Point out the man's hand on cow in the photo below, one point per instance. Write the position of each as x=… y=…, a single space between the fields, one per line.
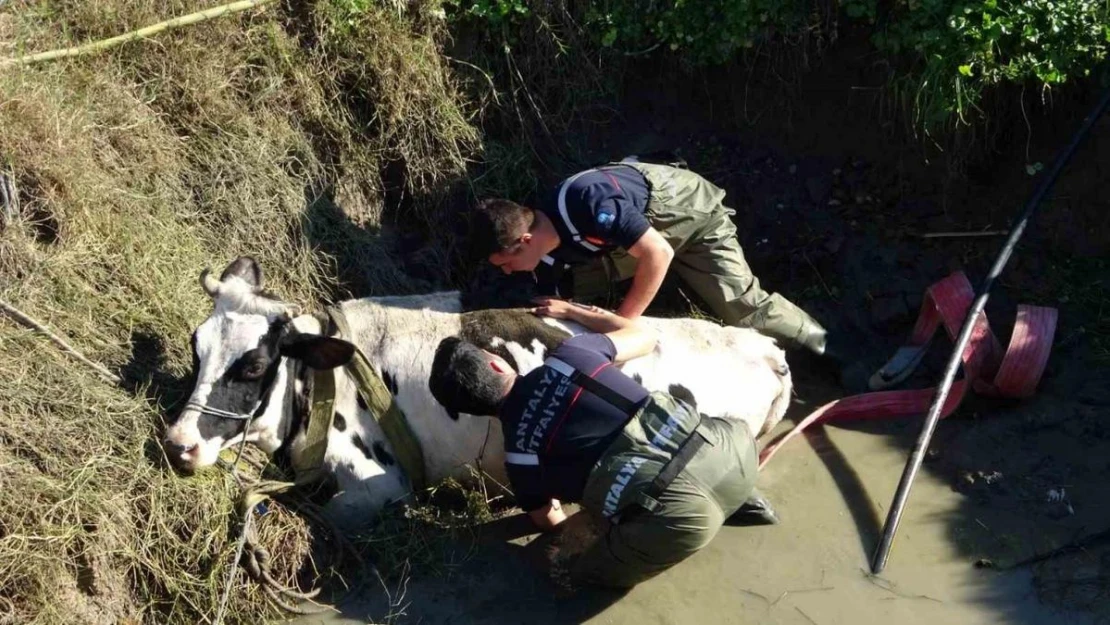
x=629 y=338
x=559 y=308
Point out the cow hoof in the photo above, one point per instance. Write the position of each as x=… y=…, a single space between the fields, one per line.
x=755 y=511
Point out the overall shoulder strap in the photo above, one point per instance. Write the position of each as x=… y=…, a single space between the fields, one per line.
x=615 y=399
x=384 y=408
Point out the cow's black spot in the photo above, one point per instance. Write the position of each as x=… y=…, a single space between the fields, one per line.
x=637 y=378
x=362 y=402
x=196 y=359
x=301 y=405
x=383 y=456
x=257 y=360
x=357 y=440
x=210 y=427
x=390 y=382
x=454 y=414
x=679 y=391
x=245 y=387
x=518 y=326
x=298 y=421
x=340 y=422
x=241 y=393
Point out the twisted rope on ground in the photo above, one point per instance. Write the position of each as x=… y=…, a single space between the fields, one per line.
x=256 y=558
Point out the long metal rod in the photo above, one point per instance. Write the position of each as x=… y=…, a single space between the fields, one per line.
x=894 y=515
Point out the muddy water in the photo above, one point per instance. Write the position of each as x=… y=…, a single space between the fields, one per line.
x=830 y=490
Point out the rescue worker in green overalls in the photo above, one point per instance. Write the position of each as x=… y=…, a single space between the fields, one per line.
x=661 y=477
x=636 y=220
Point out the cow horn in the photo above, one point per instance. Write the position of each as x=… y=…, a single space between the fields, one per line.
x=210 y=284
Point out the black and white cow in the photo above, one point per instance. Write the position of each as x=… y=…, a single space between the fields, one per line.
x=254 y=353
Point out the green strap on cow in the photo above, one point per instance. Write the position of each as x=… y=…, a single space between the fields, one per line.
x=390 y=417
x=320 y=417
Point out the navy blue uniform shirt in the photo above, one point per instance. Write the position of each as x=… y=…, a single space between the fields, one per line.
x=568 y=427
x=606 y=207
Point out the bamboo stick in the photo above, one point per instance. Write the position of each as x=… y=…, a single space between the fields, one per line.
x=97 y=46
x=28 y=322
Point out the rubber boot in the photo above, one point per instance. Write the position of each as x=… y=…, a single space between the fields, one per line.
x=756 y=510
x=836 y=352
x=841 y=355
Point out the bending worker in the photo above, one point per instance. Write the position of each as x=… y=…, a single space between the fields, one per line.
x=646 y=218
x=662 y=478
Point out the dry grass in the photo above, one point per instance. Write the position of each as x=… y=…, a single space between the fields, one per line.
x=540 y=86
x=276 y=133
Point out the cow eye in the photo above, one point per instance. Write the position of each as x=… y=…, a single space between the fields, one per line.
x=253 y=370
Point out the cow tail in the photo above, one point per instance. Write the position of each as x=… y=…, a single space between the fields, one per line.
x=777 y=361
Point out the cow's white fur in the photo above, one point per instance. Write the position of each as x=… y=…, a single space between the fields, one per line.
x=733 y=373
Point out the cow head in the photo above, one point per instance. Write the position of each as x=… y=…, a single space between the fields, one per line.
x=245 y=358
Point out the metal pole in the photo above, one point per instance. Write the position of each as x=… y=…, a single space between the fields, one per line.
x=894 y=515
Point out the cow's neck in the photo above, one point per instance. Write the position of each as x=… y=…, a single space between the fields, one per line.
x=358 y=454
x=294 y=405
x=290 y=403
x=277 y=424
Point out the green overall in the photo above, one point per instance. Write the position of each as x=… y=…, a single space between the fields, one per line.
x=648 y=530
x=688 y=211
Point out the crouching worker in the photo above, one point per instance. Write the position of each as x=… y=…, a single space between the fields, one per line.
x=662 y=478
x=636 y=220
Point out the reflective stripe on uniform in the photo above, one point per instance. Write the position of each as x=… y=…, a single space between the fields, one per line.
x=566 y=217
x=513 y=457
x=559 y=366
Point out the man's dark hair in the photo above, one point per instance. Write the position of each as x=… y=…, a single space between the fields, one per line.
x=497 y=224
x=462 y=380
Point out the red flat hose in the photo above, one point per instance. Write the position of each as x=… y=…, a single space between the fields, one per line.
x=987 y=369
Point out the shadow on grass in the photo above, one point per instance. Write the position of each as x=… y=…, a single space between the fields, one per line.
x=367 y=260
x=147 y=374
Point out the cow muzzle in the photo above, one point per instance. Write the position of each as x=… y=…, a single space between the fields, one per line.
x=180 y=455
x=185 y=445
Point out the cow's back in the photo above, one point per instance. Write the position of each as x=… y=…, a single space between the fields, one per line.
x=734 y=373
x=728 y=372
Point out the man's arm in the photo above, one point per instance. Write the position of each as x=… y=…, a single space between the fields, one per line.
x=549 y=516
x=631 y=339
x=654 y=256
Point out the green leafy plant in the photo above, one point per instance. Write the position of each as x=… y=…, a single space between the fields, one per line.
x=701 y=31
x=960 y=48
x=495 y=14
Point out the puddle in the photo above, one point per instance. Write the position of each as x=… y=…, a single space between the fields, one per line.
x=831 y=491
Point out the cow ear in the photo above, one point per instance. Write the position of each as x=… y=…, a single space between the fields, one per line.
x=246 y=269
x=318 y=352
